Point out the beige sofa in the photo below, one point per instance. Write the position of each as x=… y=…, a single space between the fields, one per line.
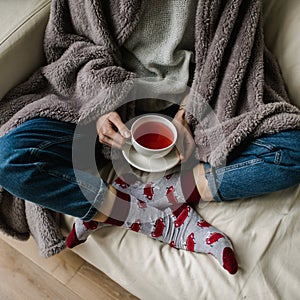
x=264 y=230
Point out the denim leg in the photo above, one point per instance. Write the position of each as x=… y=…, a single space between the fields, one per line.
x=36 y=165
x=268 y=164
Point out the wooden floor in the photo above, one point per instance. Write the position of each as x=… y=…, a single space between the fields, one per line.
x=25 y=275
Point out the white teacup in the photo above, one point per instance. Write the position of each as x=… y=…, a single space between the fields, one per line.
x=153 y=135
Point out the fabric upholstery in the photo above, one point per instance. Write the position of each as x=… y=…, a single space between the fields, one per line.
x=21 y=40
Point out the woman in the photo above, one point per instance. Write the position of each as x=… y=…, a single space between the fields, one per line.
x=246 y=132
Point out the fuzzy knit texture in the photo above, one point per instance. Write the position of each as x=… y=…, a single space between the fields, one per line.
x=237 y=91
x=161 y=47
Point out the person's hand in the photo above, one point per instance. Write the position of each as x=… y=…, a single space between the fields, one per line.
x=111 y=130
x=185 y=141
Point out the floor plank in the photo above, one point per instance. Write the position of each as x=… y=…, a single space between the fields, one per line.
x=88 y=278
x=62 y=266
x=21 y=279
x=64 y=275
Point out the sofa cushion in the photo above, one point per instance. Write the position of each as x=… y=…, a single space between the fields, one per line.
x=264 y=234
x=22 y=26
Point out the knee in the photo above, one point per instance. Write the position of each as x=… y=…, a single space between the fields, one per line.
x=4 y=160
x=10 y=155
x=5 y=150
x=15 y=167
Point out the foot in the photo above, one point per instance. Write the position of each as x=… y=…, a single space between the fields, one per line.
x=81 y=231
x=182 y=228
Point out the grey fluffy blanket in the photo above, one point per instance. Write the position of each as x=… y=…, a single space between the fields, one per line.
x=237 y=92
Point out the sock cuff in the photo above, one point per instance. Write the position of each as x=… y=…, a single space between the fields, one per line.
x=189 y=188
x=123 y=196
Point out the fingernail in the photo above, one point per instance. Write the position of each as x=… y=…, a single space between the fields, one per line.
x=126 y=134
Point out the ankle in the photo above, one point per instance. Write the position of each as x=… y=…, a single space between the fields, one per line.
x=107 y=206
x=202 y=183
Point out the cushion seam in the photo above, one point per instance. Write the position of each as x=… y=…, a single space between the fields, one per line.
x=24 y=21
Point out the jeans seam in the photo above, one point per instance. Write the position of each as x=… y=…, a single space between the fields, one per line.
x=63 y=139
x=68 y=178
x=239 y=165
x=278 y=157
x=33 y=151
x=268 y=146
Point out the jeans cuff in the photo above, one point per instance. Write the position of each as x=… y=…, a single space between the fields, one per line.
x=92 y=212
x=212 y=182
x=98 y=201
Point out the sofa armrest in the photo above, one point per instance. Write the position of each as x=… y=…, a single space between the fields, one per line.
x=22 y=26
x=282 y=26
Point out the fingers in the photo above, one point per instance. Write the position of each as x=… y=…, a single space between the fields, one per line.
x=111 y=130
x=180 y=149
x=185 y=146
x=116 y=120
x=189 y=146
x=185 y=142
x=116 y=141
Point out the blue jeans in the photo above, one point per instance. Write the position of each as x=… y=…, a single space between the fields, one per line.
x=36 y=165
x=267 y=164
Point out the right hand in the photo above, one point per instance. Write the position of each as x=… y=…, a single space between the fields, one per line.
x=111 y=130
x=185 y=142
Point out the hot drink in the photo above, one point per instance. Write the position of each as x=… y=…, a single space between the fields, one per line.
x=154 y=135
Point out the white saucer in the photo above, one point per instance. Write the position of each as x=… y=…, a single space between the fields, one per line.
x=150 y=164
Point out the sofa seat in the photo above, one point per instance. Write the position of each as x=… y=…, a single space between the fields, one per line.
x=265 y=234
x=22 y=26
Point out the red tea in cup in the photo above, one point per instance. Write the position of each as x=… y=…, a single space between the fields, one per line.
x=154 y=135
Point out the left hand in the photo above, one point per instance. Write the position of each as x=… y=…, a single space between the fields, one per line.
x=185 y=141
x=111 y=130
